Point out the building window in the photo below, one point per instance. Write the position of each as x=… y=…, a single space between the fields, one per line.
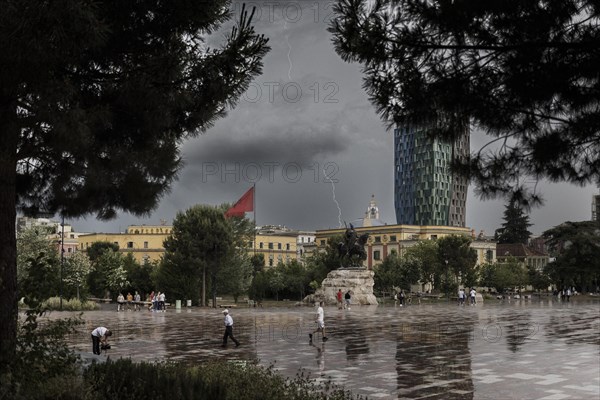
x=287 y=246
x=377 y=255
x=278 y=246
x=377 y=239
x=117 y=243
x=260 y=245
x=433 y=237
x=145 y=245
x=270 y=245
x=322 y=242
x=489 y=255
x=130 y=245
x=392 y=238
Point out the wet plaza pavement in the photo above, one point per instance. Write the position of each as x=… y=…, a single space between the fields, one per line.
x=518 y=350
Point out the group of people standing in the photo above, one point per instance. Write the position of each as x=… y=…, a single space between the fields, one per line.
x=343 y=300
x=134 y=300
x=157 y=302
x=462 y=296
x=565 y=294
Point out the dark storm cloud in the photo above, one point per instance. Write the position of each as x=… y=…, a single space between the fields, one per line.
x=308 y=111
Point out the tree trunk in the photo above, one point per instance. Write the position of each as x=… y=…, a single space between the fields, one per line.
x=8 y=247
x=203 y=286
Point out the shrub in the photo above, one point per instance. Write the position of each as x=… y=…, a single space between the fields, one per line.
x=212 y=380
x=53 y=303
x=43 y=362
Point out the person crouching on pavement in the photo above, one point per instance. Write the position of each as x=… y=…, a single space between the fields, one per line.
x=99 y=335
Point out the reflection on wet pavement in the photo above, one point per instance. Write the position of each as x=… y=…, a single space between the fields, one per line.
x=523 y=350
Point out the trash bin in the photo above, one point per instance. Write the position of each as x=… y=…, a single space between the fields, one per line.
x=177 y=304
x=189 y=303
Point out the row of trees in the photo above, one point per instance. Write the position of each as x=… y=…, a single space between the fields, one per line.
x=207 y=253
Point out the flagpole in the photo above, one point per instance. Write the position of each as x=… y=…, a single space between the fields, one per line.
x=254 y=214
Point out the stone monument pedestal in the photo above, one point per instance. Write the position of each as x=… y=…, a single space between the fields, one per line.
x=358 y=280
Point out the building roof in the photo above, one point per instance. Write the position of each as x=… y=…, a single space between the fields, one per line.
x=517 y=250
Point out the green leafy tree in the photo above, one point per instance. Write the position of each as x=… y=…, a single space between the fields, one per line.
x=523 y=72
x=76 y=269
x=112 y=264
x=457 y=259
x=201 y=242
x=295 y=278
x=33 y=246
x=576 y=246
x=96 y=249
x=259 y=288
x=426 y=251
x=504 y=276
x=97 y=277
x=539 y=280
x=324 y=260
x=42 y=281
x=95 y=101
x=515 y=226
x=141 y=277
x=235 y=275
x=258 y=263
x=396 y=272
x=275 y=280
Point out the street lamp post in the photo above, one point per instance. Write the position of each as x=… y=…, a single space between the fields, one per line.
x=62 y=259
x=447 y=284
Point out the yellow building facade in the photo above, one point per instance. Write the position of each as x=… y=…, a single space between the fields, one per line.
x=398 y=238
x=275 y=247
x=144 y=242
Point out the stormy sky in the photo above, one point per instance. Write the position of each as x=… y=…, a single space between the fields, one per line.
x=301 y=125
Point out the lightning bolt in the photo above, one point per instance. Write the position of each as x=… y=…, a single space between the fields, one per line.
x=334 y=199
x=289 y=49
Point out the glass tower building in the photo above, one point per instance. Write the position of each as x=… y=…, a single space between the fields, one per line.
x=426 y=192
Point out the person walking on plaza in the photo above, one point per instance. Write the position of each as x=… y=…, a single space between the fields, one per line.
x=228 y=329
x=320 y=323
x=402 y=295
x=161 y=302
x=461 y=297
x=339 y=299
x=156 y=302
x=348 y=298
x=473 y=293
x=99 y=335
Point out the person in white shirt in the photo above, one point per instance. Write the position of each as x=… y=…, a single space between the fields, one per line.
x=99 y=335
x=320 y=323
x=136 y=299
x=461 y=297
x=472 y=296
x=229 y=329
x=120 y=302
x=161 y=302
